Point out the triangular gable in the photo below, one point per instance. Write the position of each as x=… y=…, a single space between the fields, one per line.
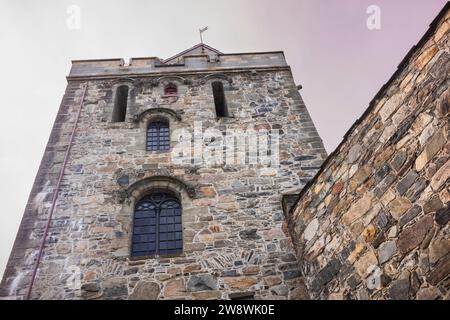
x=200 y=48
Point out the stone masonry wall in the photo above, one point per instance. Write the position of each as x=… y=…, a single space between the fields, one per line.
x=374 y=223
x=233 y=237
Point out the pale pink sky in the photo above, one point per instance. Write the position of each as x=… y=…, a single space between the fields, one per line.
x=340 y=63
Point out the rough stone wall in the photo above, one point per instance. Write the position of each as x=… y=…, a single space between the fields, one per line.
x=374 y=223
x=233 y=237
x=17 y=274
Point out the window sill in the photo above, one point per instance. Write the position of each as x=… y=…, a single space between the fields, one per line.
x=226 y=119
x=163 y=256
x=157 y=151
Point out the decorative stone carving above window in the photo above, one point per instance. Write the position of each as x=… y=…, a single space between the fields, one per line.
x=157 y=111
x=123 y=80
x=216 y=76
x=165 y=80
x=213 y=58
x=161 y=182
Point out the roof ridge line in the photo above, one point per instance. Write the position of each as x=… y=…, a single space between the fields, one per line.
x=190 y=49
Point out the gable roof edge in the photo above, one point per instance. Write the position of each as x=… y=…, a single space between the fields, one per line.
x=190 y=49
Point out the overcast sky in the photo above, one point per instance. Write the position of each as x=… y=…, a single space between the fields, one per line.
x=340 y=62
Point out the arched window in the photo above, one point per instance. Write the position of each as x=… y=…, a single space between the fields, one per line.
x=158 y=136
x=170 y=90
x=219 y=99
x=120 y=104
x=157 y=226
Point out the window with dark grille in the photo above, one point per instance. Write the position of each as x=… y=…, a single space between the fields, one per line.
x=157 y=226
x=120 y=104
x=170 y=90
x=158 y=136
x=219 y=99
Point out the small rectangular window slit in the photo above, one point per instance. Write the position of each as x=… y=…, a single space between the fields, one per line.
x=219 y=100
x=120 y=104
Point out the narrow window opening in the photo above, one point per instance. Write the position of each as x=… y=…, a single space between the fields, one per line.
x=219 y=99
x=120 y=104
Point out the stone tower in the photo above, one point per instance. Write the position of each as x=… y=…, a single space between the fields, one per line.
x=124 y=206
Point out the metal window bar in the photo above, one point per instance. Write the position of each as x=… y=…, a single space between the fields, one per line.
x=157 y=228
x=158 y=136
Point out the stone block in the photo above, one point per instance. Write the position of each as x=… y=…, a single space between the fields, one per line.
x=432 y=147
x=358 y=209
x=145 y=290
x=398 y=207
x=412 y=236
x=201 y=282
x=386 y=250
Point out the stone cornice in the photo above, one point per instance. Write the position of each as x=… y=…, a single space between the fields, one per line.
x=177 y=73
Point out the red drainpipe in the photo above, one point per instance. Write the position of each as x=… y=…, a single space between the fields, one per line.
x=55 y=197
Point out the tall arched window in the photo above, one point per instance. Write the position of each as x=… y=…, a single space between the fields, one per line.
x=120 y=104
x=219 y=99
x=158 y=136
x=157 y=226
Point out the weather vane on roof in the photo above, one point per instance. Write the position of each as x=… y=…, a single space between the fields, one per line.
x=201 y=30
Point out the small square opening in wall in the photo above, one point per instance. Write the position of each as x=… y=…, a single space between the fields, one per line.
x=170 y=90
